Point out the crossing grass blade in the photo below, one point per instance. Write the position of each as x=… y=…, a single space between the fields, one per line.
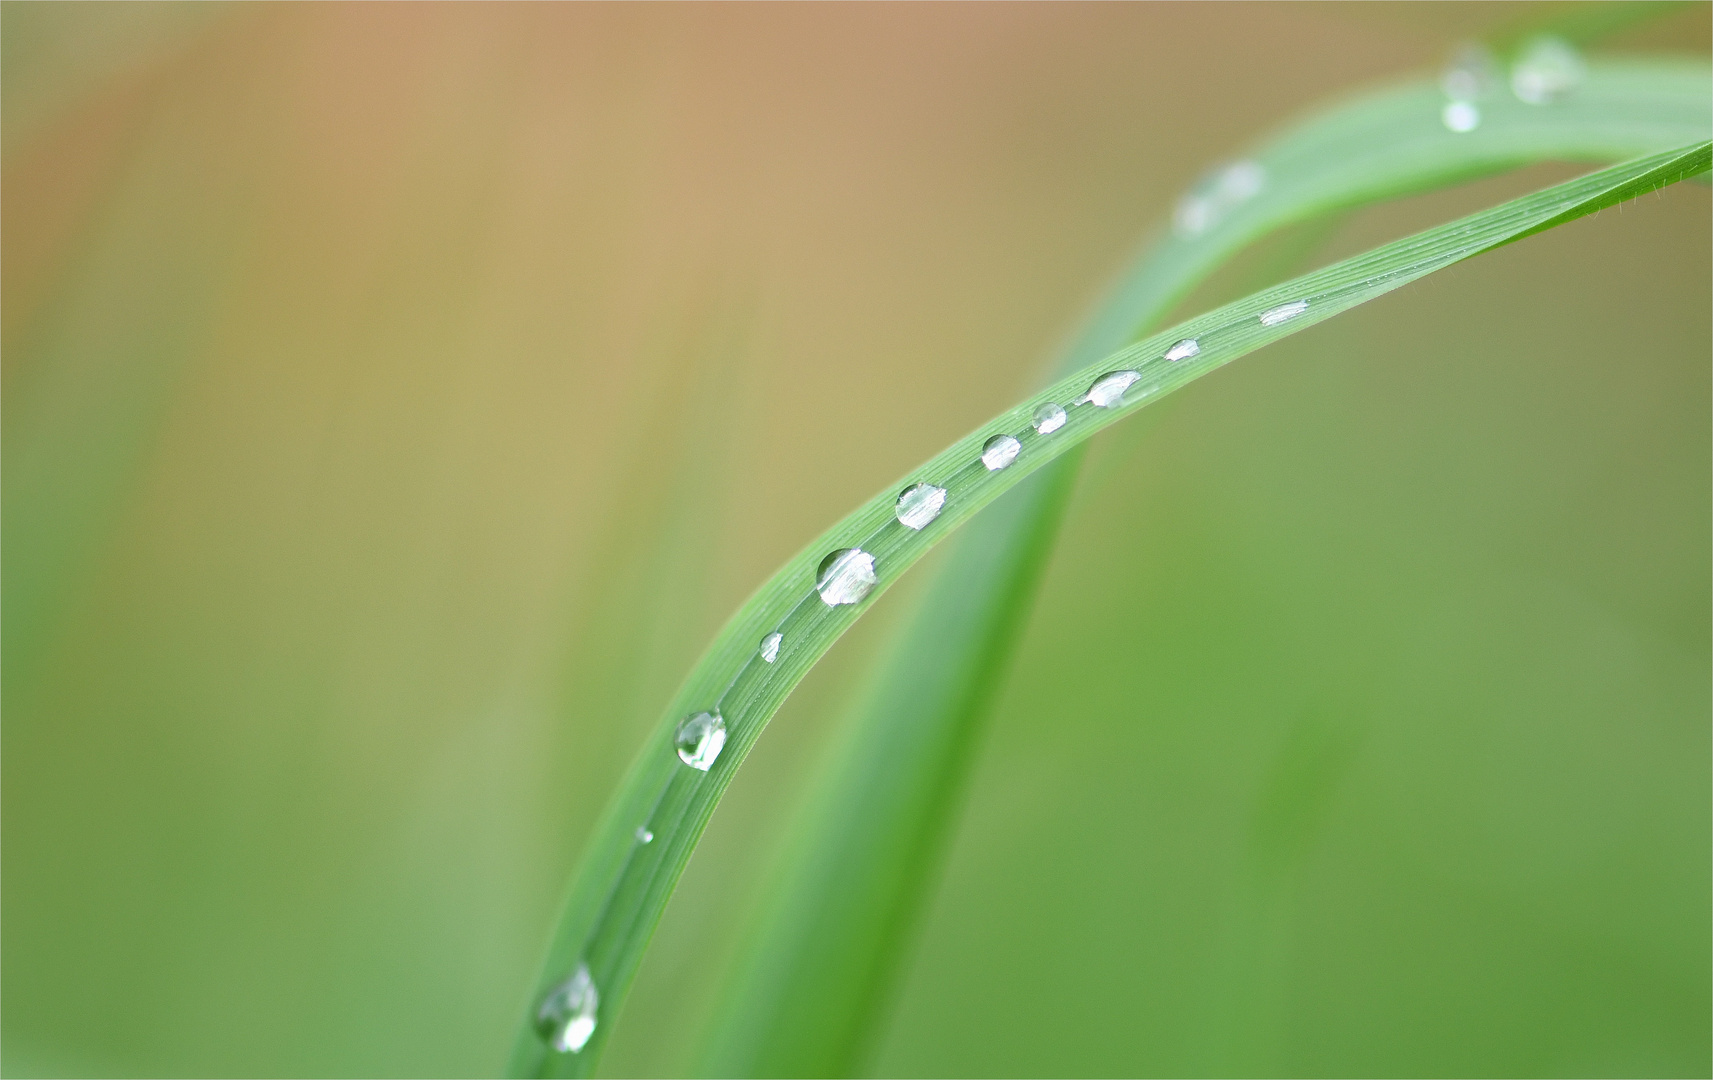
x=818 y=970
x=625 y=880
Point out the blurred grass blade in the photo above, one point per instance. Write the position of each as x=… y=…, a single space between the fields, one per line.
x=819 y=970
x=654 y=821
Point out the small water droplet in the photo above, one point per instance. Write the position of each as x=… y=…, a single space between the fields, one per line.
x=1183 y=350
x=643 y=836
x=566 y=1018
x=1216 y=195
x=770 y=646
x=1283 y=313
x=1548 y=69
x=1470 y=75
x=845 y=577
x=1460 y=116
x=1049 y=417
x=919 y=504
x=1108 y=390
x=1000 y=451
x=700 y=738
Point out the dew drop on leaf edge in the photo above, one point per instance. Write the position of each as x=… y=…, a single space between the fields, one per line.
x=566 y=1018
x=1000 y=451
x=1184 y=349
x=770 y=646
x=700 y=738
x=845 y=577
x=1049 y=417
x=919 y=504
x=1548 y=69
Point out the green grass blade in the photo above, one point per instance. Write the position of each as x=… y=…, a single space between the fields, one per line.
x=625 y=880
x=818 y=971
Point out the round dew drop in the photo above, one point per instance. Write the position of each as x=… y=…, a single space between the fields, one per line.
x=919 y=504
x=700 y=738
x=1049 y=417
x=643 y=836
x=845 y=577
x=1000 y=451
x=566 y=1018
x=770 y=646
x=1460 y=116
x=1548 y=70
x=1108 y=390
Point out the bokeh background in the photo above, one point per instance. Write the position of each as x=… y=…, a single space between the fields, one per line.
x=397 y=397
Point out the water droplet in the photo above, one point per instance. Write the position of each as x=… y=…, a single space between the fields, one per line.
x=1000 y=451
x=1283 y=313
x=643 y=836
x=845 y=577
x=700 y=739
x=1049 y=417
x=1216 y=195
x=919 y=504
x=1470 y=75
x=1108 y=390
x=1183 y=350
x=566 y=1018
x=770 y=646
x=1548 y=69
x=1460 y=116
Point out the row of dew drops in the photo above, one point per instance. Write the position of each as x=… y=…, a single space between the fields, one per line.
x=1546 y=71
x=567 y=1016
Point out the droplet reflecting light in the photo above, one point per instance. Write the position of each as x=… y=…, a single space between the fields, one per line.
x=1283 y=313
x=1548 y=69
x=1108 y=390
x=643 y=836
x=919 y=504
x=1183 y=350
x=1460 y=116
x=1000 y=451
x=1208 y=203
x=700 y=738
x=566 y=1018
x=1049 y=417
x=770 y=646
x=845 y=577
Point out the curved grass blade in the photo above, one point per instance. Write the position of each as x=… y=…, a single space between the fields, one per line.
x=651 y=827
x=819 y=970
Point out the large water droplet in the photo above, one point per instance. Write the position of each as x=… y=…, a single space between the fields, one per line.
x=919 y=504
x=1049 y=417
x=1183 y=350
x=1460 y=116
x=1108 y=390
x=1283 y=313
x=1548 y=69
x=566 y=1018
x=845 y=577
x=1000 y=451
x=770 y=646
x=1216 y=195
x=700 y=738
x=1470 y=75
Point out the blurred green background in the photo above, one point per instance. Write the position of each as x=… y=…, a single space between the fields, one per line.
x=397 y=397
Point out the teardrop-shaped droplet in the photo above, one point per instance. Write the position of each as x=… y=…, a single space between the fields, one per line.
x=770 y=646
x=643 y=836
x=845 y=577
x=1183 y=350
x=1207 y=204
x=919 y=504
x=700 y=738
x=566 y=1018
x=1548 y=69
x=1283 y=313
x=1000 y=451
x=1108 y=390
x=1460 y=116
x=1049 y=417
